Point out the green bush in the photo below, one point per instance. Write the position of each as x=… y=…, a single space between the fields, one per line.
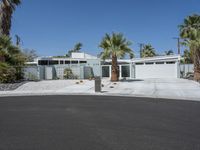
x=68 y=74
x=7 y=73
x=19 y=73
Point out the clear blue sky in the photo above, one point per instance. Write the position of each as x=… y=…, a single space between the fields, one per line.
x=53 y=27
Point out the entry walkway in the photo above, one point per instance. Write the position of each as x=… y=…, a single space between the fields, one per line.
x=155 y=88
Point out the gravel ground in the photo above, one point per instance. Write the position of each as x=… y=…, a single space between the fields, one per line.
x=11 y=86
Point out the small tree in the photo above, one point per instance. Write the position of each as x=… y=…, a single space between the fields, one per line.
x=30 y=54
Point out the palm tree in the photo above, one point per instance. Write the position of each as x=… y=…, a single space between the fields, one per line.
x=9 y=52
x=18 y=40
x=7 y=7
x=190 y=32
x=187 y=56
x=12 y=59
x=115 y=46
x=148 y=51
x=77 y=48
x=169 y=52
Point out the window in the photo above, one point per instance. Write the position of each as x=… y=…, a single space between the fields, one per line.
x=83 y=62
x=67 y=62
x=139 y=63
x=159 y=62
x=53 y=62
x=105 y=71
x=170 y=62
x=125 y=71
x=74 y=62
x=149 y=63
x=43 y=62
x=61 y=62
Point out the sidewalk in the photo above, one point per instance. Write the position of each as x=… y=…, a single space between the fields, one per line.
x=154 y=88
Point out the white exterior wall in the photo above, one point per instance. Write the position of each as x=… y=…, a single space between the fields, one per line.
x=156 y=71
x=82 y=56
x=147 y=70
x=78 y=55
x=48 y=73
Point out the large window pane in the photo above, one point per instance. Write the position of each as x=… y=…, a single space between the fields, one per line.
x=125 y=71
x=105 y=71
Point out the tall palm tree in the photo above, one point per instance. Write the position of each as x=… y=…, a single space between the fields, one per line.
x=190 y=32
x=115 y=46
x=148 y=51
x=7 y=7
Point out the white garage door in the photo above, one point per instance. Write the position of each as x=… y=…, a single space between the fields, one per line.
x=156 y=70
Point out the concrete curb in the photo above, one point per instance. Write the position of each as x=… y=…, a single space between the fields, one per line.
x=98 y=94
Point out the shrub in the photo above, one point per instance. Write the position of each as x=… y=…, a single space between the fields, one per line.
x=68 y=74
x=19 y=73
x=7 y=73
x=2 y=56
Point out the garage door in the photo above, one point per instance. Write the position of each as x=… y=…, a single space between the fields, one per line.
x=156 y=70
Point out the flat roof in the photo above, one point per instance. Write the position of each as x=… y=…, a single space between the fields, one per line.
x=157 y=58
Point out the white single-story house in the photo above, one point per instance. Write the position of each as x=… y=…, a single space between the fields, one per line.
x=154 y=67
x=84 y=65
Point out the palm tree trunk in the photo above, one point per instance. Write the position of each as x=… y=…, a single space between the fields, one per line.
x=197 y=65
x=115 y=71
x=5 y=18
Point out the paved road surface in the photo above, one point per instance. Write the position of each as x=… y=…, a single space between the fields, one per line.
x=98 y=123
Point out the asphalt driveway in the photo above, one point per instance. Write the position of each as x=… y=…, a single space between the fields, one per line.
x=98 y=123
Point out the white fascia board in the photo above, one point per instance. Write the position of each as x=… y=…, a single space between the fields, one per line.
x=119 y=60
x=159 y=58
x=31 y=63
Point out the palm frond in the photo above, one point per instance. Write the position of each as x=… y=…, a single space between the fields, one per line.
x=115 y=44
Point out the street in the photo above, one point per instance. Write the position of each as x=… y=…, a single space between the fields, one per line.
x=98 y=123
